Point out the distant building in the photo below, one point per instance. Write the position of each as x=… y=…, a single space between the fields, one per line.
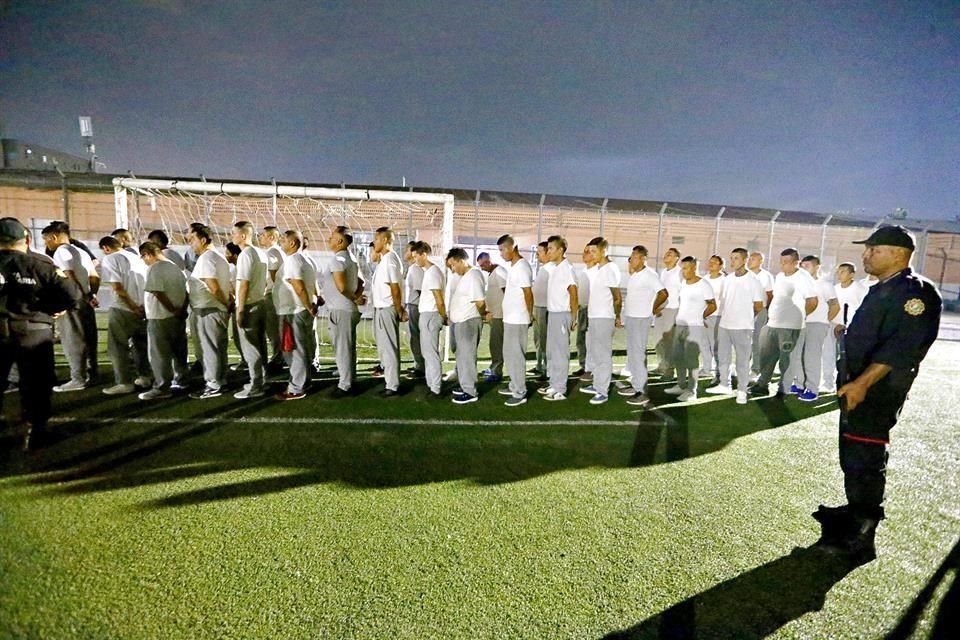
x=23 y=155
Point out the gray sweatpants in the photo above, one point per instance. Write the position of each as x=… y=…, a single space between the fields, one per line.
x=663 y=339
x=776 y=346
x=710 y=358
x=70 y=327
x=806 y=365
x=272 y=323
x=637 y=331
x=468 y=339
x=413 y=322
x=540 y=321
x=515 y=357
x=829 y=360
x=212 y=329
x=253 y=344
x=741 y=342
x=759 y=322
x=304 y=346
x=583 y=352
x=558 y=349
x=125 y=328
x=386 y=333
x=600 y=352
x=690 y=351
x=194 y=329
x=343 y=334
x=167 y=347
x=430 y=326
x=496 y=346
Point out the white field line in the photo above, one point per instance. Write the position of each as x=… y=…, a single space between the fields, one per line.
x=356 y=421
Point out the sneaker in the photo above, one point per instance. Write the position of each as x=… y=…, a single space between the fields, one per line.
x=245 y=393
x=72 y=385
x=545 y=391
x=464 y=398
x=589 y=389
x=720 y=390
x=176 y=387
x=627 y=391
x=675 y=390
x=206 y=394
x=494 y=378
x=687 y=396
x=579 y=372
x=144 y=382
x=807 y=395
x=554 y=396
x=759 y=390
x=638 y=399
x=827 y=390
x=505 y=392
x=598 y=399
x=741 y=397
x=377 y=372
x=286 y=395
x=155 y=394
x=795 y=390
x=514 y=401
x=450 y=375
x=119 y=389
x=586 y=377
x=238 y=366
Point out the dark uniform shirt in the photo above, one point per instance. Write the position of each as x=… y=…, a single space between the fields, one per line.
x=32 y=290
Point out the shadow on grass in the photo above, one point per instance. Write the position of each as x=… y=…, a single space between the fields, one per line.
x=752 y=605
x=97 y=455
x=948 y=613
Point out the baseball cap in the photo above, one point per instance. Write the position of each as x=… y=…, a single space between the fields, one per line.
x=892 y=236
x=12 y=230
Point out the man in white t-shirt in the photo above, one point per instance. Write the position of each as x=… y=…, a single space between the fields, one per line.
x=343 y=291
x=715 y=277
x=540 y=315
x=665 y=320
x=740 y=299
x=160 y=238
x=794 y=298
x=298 y=276
x=432 y=314
x=467 y=308
x=562 y=307
x=209 y=291
x=690 y=347
x=517 y=316
x=72 y=325
x=807 y=358
x=646 y=295
x=496 y=276
x=584 y=277
x=850 y=293
x=269 y=240
x=603 y=310
x=388 y=309
x=125 y=274
x=165 y=306
x=413 y=283
x=251 y=311
x=755 y=266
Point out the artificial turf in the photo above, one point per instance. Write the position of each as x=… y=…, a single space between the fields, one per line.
x=228 y=518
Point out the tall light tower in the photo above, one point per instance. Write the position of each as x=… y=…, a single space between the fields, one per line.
x=86 y=132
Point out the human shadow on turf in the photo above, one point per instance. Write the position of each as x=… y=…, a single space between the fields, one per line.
x=948 y=613
x=751 y=605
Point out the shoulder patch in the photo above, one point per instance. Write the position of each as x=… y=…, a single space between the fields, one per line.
x=914 y=306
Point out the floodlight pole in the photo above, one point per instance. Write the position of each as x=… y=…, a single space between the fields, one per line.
x=543 y=198
x=476 y=223
x=823 y=236
x=773 y=223
x=663 y=210
x=603 y=213
x=924 y=240
x=274 y=199
x=716 y=231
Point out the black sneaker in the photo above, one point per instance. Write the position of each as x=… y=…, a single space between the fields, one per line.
x=389 y=393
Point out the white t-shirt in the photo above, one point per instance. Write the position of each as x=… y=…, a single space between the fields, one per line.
x=766 y=282
x=210 y=264
x=671 y=279
x=389 y=270
x=163 y=277
x=414 y=283
x=787 y=309
x=496 y=281
x=558 y=294
x=716 y=283
x=825 y=293
x=541 y=282
x=175 y=258
x=432 y=281
x=584 y=280
x=69 y=258
x=252 y=267
x=642 y=289
x=469 y=290
x=453 y=279
x=127 y=270
x=852 y=296
x=519 y=277
x=693 y=302
x=736 y=298
x=605 y=277
x=275 y=260
x=340 y=262
x=298 y=267
x=867 y=281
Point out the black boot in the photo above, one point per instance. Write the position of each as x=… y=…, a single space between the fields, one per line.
x=860 y=545
x=836 y=525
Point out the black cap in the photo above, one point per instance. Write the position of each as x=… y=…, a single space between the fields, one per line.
x=11 y=230
x=892 y=236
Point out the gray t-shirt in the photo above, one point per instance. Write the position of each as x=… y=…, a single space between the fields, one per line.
x=343 y=262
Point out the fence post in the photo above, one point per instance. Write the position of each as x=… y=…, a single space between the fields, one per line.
x=663 y=210
x=603 y=213
x=716 y=231
x=773 y=223
x=823 y=236
x=543 y=198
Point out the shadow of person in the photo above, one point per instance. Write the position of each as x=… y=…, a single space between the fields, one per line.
x=751 y=605
x=947 y=619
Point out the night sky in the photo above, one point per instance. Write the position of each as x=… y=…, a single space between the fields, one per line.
x=821 y=106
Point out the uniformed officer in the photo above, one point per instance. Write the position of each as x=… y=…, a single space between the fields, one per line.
x=885 y=343
x=32 y=291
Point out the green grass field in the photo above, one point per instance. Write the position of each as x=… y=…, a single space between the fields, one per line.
x=405 y=518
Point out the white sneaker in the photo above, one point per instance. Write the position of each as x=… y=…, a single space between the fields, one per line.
x=720 y=390
x=72 y=385
x=741 y=397
x=686 y=396
x=155 y=394
x=450 y=375
x=119 y=389
x=554 y=396
x=245 y=393
x=675 y=390
x=144 y=382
